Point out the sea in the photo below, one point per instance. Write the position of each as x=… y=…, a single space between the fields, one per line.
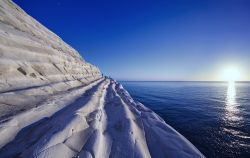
x=213 y=116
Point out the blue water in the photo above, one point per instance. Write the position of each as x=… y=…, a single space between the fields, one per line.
x=214 y=116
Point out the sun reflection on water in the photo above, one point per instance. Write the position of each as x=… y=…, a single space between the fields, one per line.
x=231 y=94
x=231 y=103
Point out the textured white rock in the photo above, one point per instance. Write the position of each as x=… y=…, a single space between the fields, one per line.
x=54 y=104
x=35 y=61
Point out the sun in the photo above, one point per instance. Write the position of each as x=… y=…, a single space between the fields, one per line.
x=231 y=74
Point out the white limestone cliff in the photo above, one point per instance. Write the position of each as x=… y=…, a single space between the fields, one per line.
x=55 y=104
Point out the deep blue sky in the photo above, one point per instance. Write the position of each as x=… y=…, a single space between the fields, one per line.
x=152 y=40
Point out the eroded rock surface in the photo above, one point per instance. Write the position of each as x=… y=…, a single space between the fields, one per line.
x=34 y=62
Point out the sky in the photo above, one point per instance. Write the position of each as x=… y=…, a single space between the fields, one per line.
x=183 y=40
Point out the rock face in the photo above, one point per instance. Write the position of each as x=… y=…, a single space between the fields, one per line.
x=54 y=104
x=31 y=56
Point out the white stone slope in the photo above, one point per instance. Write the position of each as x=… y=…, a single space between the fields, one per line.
x=54 y=104
x=31 y=56
x=99 y=120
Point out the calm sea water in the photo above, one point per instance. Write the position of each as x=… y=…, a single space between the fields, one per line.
x=214 y=116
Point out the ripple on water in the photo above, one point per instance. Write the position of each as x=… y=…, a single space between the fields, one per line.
x=215 y=117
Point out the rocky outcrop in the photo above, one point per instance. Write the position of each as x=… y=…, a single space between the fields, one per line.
x=54 y=104
x=32 y=57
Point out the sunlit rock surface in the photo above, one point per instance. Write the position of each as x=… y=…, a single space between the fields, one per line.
x=54 y=104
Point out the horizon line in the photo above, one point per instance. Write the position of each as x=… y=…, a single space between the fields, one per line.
x=173 y=81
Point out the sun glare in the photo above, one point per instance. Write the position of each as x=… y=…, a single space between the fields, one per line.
x=231 y=74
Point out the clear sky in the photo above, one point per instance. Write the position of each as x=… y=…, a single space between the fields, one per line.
x=153 y=40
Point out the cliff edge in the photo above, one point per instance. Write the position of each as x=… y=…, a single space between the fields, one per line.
x=55 y=104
